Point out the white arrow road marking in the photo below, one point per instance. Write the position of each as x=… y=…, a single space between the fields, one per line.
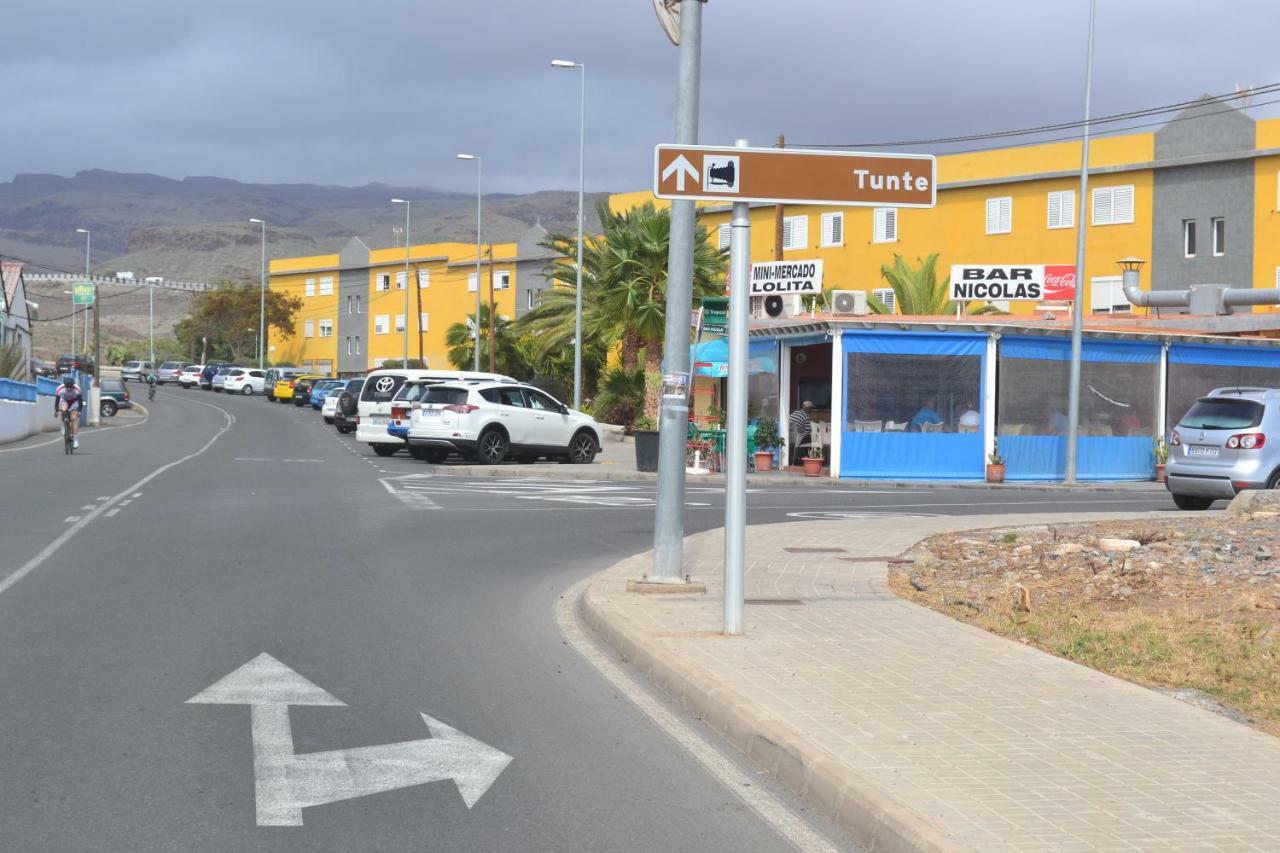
x=285 y=783
x=681 y=167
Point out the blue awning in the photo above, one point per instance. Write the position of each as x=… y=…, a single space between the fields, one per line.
x=1225 y=356
x=914 y=343
x=711 y=358
x=1059 y=349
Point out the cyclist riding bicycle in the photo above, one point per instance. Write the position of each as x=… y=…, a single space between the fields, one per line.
x=151 y=384
x=69 y=399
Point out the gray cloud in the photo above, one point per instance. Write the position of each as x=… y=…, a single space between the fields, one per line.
x=327 y=92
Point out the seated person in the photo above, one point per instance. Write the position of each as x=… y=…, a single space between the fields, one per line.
x=970 y=416
x=926 y=415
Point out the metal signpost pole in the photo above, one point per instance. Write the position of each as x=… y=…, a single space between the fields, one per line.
x=668 y=529
x=1077 y=310
x=476 y=366
x=262 y=298
x=577 y=306
x=407 y=207
x=151 y=319
x=735 y=500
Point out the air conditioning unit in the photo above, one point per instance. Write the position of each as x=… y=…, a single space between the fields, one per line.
x=849 y=302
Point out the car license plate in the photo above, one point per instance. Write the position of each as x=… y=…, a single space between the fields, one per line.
x=430 y=413
x=378 y=419
x=1201 y=450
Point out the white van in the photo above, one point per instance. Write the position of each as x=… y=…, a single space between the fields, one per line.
x=380 y=387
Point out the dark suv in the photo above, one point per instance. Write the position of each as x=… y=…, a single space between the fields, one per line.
x=68 y=363
x=344 y=417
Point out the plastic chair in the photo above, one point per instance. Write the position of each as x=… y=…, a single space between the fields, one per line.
x=890 y=426
x=929 y=427
x=967 y=428
x=868 y=426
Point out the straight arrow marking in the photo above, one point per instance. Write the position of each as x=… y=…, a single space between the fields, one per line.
x=286 y=783
x=681 y=167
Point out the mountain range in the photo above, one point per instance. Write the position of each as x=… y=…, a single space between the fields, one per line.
x=198 y=229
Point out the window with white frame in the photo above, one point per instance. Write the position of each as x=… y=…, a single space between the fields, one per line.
x=424 y=279
x=888 y=298
x=795 y=232
x=833 y=229
x=531 y=298
x=357 y=340
x=326 y=285
x=424 y=324
x=724 y=236
x=348 y=345
x=1062 y=209
x=1106 y=295
x=884 y=227
x=1188 y=238
x=1113 y=205
x=1000 y=215
x=399 y=322
x=381 y=324
x=349 y=303
x=359 y=309
x=1218 y=226
x=471 y=282
x=384 y=281
x=502 y=280
x=326 y=328
x=309 y=287
x=309 y=329
x=400 y=280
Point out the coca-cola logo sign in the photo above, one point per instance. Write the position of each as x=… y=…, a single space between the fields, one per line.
x=1012 y=282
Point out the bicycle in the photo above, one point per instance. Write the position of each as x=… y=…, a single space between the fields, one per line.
x=151 y=390
x=68 y=437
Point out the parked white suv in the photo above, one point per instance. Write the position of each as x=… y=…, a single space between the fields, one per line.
x=489 y=421
x=376 y=409
x=244 y=380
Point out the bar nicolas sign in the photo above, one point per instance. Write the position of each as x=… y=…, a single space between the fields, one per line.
x=1013 y=283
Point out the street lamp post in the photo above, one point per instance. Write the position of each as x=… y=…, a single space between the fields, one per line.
x=262 y=296
x=97 y=309
x=582 y=156
x=89 y=281
x=407 y=206
x=476 y=157
x=1077 y=313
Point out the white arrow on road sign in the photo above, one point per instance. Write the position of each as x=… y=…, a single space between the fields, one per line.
x=681 y=167
x=286 y=783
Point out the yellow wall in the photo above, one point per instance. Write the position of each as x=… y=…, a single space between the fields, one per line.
x=1266 y=220
x=296 y=349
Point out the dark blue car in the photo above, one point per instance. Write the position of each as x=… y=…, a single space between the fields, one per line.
x=320 y=389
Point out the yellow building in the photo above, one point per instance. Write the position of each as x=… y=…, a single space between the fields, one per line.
x=1197 y=199
x=354 y=314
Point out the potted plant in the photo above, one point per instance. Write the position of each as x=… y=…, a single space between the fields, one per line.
x=813 y=462
x=646 y=436
x=1161 y=452
x=995 y=466
x=717 y=415
x=767 y=440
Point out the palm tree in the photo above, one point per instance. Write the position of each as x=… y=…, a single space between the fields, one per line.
x=917 y=291
x=460 y=340
x=13 y=363
x=624 y=282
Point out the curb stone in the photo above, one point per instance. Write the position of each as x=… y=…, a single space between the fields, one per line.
x=873 y=818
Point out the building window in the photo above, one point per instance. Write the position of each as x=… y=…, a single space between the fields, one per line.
x=888 y=298
x=400 y=280
x=795 y=232
x=348 y=303
x=348 y=345
x=309 y=329
x=381 y=324
x=1000 y=215
x=530 y=299
x=502 y=280
x=1106 y=295
x=471 y=282
x=885 y=225
x=424 y=279
x=424 y=324
x=357 y=340
x=399 y=322
x=310 y=287
x=326 y=328
x=1188 y=238
x=359 y=309
x=724 y=236
x=326 y=285
x=1062 y=209
x=384 y=281
x=1219 y=227
x=1113 y=205
x=833 y=229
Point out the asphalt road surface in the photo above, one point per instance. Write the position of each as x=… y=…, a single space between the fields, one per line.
x=173 y=550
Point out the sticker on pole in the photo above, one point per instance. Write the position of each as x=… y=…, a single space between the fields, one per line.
x=82 y=293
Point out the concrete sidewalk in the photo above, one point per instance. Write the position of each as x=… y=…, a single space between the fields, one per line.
x=917 y=732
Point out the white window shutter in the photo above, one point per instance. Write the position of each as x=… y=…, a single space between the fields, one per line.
x=800 y=232
x=723 y=234
x=1102 y=207
x=471 y=282
x=424 y=278
x=400 y=279
x=309 y=329
x=1068 y=215
x=786 y=233
x=424 y=322
x=310 y=287
x=1055 y=210
x=832 y=229
x=1122 y=204
x=890 y=224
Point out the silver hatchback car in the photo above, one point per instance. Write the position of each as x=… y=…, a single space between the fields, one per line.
x=1220 y=447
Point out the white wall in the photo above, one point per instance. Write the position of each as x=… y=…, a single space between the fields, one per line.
x=19 y=420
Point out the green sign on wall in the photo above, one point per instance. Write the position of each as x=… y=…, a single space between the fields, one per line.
x=82 y=293
x=715 y=314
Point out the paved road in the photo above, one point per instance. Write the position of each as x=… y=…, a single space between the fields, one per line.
x=167 y=554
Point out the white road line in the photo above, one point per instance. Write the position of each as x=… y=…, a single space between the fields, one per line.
x=87 y=507
x=52 y=548
x=111 y=513
x=104 y=497
x=784 y=820
x=127 y=502
x=252 y=459
x=136 y=495
x=70 y=518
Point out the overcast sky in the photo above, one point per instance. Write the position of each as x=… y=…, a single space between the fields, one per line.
x=389 y=90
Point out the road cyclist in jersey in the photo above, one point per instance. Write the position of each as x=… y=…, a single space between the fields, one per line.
x=151 y=385
x=68 y=403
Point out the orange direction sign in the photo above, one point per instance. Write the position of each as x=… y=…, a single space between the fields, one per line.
x=794 y=176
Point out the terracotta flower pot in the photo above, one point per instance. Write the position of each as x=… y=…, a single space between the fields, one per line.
x=764 y=460
x=995 y=473
x=1159 y=472
x=812 y=467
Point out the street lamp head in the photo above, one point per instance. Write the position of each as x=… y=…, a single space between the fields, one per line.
x=398 y=201
x=468 y=157
x=82 y=230
x=565 y=63
x=259 y=221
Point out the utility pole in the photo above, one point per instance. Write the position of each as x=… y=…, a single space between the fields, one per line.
x=407 y=205
x=493 y=308
x=422 y=360
x=262 y=298
x=779 y=214
x=735 y=489
x=668 y=528
x=1077 y=308
x=151 y=318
